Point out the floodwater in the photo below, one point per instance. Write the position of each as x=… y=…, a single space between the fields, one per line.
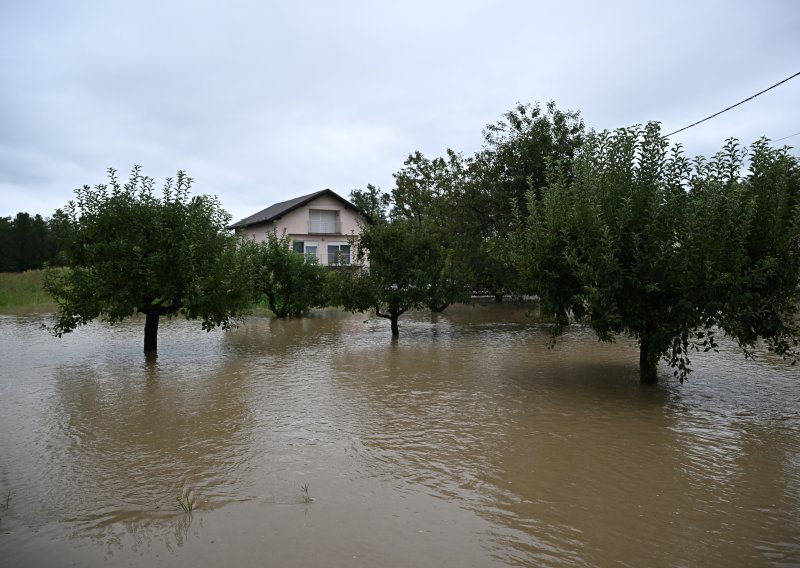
x=320 y=442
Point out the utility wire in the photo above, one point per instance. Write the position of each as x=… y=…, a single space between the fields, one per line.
x=734 y=106
x=785 y=137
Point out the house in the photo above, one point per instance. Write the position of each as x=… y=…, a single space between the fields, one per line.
x=320 y=225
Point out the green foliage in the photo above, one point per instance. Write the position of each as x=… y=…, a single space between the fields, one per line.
x=445 y=227
x=186 y=502
x=371 y=202
x=471 y=202
x=28 y=243
x=130 y=251
x=517 y=152
x=424 y=188
x=291 y=283
x=404 y=264
x=637 y=241
x=752 y=266
x=426 y=195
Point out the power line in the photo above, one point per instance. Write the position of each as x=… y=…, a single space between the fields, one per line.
x=734 y=106
x=785 y=137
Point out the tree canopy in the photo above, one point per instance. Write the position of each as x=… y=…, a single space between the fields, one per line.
x=28 y=242
x=469 y=202
x=444 y=227
x=291 y=283
x=616 y=230
x=639 y=240
x=400 y=268
x=128 y=250
x=516 y=154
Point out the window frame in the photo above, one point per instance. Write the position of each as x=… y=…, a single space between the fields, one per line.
x=305 y=246
x=323 y=222
x=333 y=259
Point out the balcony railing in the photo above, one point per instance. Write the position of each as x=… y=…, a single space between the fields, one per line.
x=324 y=228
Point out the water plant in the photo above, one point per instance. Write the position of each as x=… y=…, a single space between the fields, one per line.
x=7 y=501
x=305 y=497
x=186 y=502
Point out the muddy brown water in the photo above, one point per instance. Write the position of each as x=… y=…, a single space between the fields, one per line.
x=466 y=443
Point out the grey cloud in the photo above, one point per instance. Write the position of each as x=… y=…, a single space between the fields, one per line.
x=262 y=102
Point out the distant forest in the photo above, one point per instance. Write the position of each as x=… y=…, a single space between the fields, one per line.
x=28 y=242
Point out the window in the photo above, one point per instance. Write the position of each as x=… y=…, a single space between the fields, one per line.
x=338 y=254
x=323 y=221
x=306 y=248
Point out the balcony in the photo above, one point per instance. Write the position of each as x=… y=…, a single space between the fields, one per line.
x=324 y=227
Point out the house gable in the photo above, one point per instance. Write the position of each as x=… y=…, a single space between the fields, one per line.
x=321 y=223
x=277 y=211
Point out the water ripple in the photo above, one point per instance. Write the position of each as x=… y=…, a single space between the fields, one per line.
x=466 y=442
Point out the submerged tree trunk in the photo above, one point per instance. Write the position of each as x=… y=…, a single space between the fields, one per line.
x=392 y=315
x=151 y=332
x=648 y=359
x=277 y=312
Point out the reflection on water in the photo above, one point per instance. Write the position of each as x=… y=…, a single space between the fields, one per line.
x=466 y=443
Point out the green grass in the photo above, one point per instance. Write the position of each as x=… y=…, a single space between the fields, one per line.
x=20 y=291
x=186 y=502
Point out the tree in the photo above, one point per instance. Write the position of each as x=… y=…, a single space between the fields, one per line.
x=403 y=259
x=371 y=202
x=516 y=154
x=468 y=204
x=519 y=150
x=129 y=251
x=639 y=242
x=425 y=196
x=26 y=242
x=6 y=237
x=291 y=282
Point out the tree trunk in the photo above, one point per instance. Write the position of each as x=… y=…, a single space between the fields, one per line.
x=151 y=332
x=271 y=303
x=648 y=361
x=393 y=314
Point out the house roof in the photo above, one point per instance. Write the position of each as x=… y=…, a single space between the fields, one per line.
x=278 y=210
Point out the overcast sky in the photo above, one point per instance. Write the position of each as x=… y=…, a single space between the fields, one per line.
x=261 y=101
